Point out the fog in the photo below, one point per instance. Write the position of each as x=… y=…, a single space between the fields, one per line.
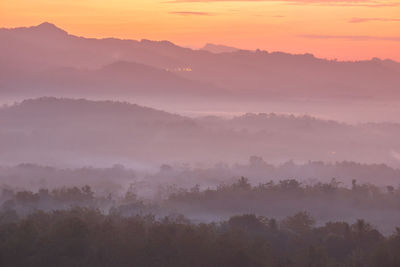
x=214 y=194
x=77 y=132
x=135 y=128
x=174 y=164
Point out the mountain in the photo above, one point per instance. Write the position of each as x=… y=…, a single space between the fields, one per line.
x=51 y=109
x=255 y=75
x=78 y=132
x=46 y=46
x=219 y=48
x=120 y=78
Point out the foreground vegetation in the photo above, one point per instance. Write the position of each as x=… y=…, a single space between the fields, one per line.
x=71 y=226
x=87 y=237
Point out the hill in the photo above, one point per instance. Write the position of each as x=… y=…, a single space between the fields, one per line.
x=80 y=132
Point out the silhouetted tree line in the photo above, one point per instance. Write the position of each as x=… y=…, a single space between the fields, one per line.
x=291 y=190
x=325 y=201
x=26 y=202
x=88 y=237
x=237 y=194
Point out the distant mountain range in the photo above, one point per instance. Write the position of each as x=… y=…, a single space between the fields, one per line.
x=59 y=131
x=46 y=60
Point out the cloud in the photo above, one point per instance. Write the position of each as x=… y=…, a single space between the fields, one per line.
x=356 y=4
x=350 y=2
x=339 y=3
x=190 y=13
x=353 y=37
x=360 y=20
x=306 y=1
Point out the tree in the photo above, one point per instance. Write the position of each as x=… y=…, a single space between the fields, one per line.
x=299 y=223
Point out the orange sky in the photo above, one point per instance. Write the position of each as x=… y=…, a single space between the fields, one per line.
x=342 y=29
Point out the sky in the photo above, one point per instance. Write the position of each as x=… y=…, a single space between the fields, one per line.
x=335 y=29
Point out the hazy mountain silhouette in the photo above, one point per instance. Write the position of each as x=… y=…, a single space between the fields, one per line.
x=44 y=29
x=214 y=48
x=66 y=131
x=116 y=79
x=49 y=109
x=248 y=74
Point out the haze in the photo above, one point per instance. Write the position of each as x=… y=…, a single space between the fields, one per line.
x=199 y=133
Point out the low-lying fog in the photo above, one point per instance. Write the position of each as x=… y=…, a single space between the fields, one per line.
x=349 y=111
x=207 y=168
x=75 y=132
x=343 y=191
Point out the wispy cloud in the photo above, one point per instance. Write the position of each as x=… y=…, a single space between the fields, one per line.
x=353 y=37
x=303 y=1
x=326 y=1
x=352 y=3
x=360 y=20
x=191 y=13
x=342 y=3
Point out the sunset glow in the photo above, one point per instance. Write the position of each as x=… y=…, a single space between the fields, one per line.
x=343 y=29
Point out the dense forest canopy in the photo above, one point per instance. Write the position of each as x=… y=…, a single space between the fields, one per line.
x=86 y=237
x=325 y=201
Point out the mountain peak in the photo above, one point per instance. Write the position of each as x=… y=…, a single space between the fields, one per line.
x=215 y=48
x=47 y=27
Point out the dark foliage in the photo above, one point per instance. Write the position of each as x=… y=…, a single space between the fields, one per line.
x=87 y=237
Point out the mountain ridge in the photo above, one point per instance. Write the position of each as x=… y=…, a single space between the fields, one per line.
x=51 y=27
